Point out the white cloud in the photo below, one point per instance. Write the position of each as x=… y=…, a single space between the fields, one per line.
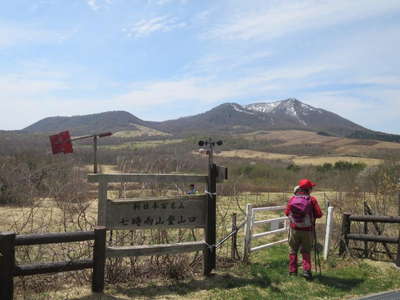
x=146 y=27
x=382 y=80
x=164 y=2
x=284 y=16
x=210 y=90
x=27 y=94
x=12 y=86
x=220 y=63
x=93 y=4
x=97 y=4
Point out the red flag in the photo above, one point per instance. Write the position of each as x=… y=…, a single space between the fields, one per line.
x=61 y=143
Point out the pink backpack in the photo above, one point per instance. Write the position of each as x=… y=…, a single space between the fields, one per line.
x=301 y=211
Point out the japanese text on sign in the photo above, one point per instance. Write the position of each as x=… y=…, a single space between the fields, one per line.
x=139 y=214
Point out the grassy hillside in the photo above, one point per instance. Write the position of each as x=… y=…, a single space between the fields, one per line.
x=298 y=159
x=300 y=142
x=264 y=278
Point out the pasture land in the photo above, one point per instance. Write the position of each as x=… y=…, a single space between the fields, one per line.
x=320 y=160
x=337 y=145
x=141 y=131
x=298 y=159
x=264 y=278
x=142 y=144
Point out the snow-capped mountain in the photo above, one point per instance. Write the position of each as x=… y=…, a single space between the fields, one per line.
x=291 y=108
x=285 y=114
x=293 y=113
x=225 y=118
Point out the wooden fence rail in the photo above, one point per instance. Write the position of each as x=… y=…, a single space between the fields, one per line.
x=346 y=235
x=9 y=269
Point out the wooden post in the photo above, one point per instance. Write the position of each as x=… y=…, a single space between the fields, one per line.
x=247 y=232
x=397 y=262
x=379 y=231
x=102 y=203
x=398 y=244
x=95 y=154
x=210 y=232
x=344 y=242
x=365 y=231
x=398 y=202
x=99 y=258
x=234 y=238
x=7 y=265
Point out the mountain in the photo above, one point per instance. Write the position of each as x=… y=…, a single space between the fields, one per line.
x=293 y=114
x=88 y=124
x=227 y=118
x=285 y=114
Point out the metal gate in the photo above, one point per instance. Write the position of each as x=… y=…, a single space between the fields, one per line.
x=278 y=225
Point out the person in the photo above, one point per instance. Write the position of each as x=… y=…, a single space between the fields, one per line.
x=302 y=210
x=192 y=190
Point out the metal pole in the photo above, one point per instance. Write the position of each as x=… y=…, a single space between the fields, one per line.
x=95 y=154
x=211 y=154
x=234 y=237
x=328 y=232
x=210 y=232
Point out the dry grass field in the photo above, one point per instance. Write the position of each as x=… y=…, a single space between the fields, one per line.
x=297 y=159
x=263 y=276
x=252 y=154
x=338 y=145
x=141 y=131
x=319 y=160
x=145 y=144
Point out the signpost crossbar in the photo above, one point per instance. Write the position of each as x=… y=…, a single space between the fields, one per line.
x=142 y=178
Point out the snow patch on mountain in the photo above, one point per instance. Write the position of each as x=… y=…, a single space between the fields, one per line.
x=263 y=107
x=290 y=107
x=291 y=111
x=308 y=108
x=239 y=108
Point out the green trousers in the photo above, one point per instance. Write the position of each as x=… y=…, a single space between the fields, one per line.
x=300 y=240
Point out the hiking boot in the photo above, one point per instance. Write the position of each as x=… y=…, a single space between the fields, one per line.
x=307 y=275
x=292 y=273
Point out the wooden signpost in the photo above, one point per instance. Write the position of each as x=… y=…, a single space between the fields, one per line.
x=186 y=211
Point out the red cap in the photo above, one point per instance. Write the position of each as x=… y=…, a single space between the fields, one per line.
x=306 y=184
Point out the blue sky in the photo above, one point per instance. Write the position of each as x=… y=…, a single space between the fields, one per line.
x=163 y=59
